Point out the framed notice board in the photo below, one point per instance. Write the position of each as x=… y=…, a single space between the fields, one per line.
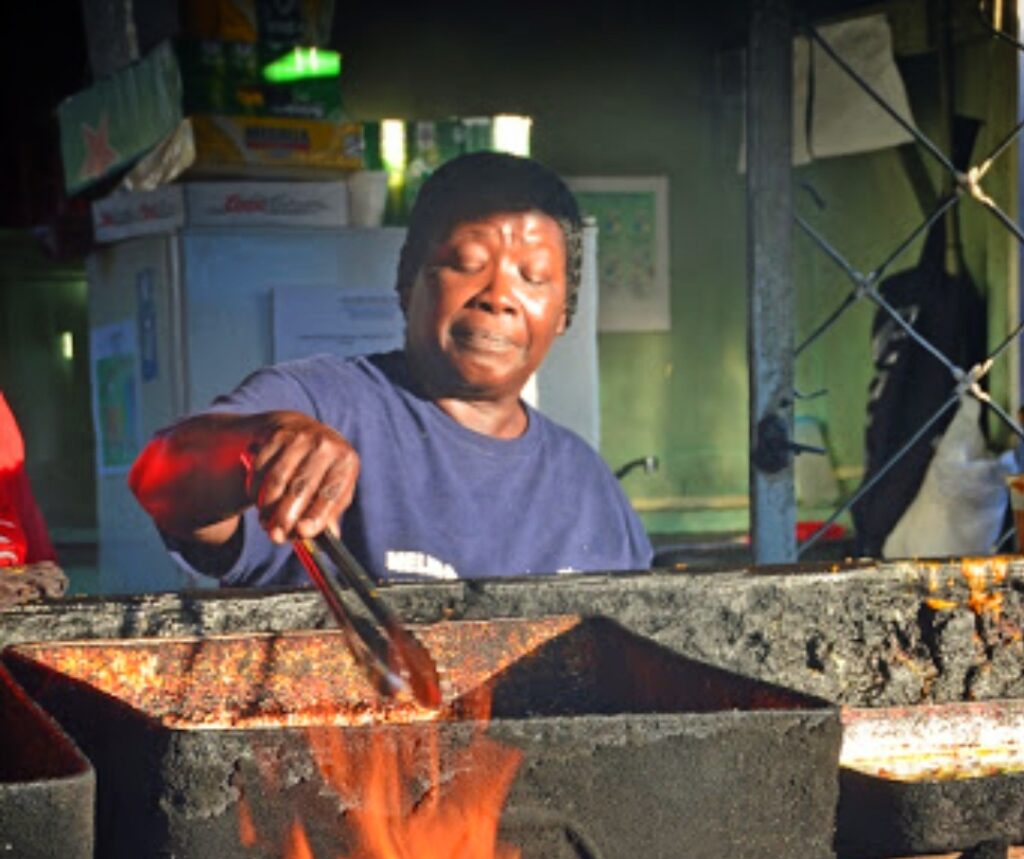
x=632 y=249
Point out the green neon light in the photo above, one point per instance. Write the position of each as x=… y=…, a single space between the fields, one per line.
x=301 y=63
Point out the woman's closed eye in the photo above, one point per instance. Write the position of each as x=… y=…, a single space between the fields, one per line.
x=536 y=273
x=467 y=259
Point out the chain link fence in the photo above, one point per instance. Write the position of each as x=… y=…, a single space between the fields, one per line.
x=967 y=186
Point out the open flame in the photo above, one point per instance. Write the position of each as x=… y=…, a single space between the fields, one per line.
x=396 y=780
x=406 y=793
x=297 y=846
x=985 y=579
x=405 y=787
x=457 y=819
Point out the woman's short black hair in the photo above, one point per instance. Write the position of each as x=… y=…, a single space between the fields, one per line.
x=477 y=185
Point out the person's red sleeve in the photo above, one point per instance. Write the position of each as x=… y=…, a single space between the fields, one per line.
x=39 y=546
x=15 y=491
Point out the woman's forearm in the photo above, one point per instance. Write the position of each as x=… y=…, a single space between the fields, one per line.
x=192 y=478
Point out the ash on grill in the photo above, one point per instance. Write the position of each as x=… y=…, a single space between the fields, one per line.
x=627 y=747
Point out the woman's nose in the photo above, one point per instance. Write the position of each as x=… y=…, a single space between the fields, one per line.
x=498 y=294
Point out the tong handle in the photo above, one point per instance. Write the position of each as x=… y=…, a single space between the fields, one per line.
x=362 y=650
x=356 y=578
x=327 y=586
x=423 y=677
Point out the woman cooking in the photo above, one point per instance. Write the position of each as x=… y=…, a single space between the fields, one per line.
x=426 y=459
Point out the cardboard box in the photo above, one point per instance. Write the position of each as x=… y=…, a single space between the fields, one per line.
x=140 y=213
x=227 y=78
x=263 y=141
x=220 y=204
x=107 y=127
x=120 y=32
x=300 y=22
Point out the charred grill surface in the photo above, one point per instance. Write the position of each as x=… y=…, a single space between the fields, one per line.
x=627 y=746
x=880 y=637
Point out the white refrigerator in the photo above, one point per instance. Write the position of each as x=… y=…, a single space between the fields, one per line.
x=186 y=310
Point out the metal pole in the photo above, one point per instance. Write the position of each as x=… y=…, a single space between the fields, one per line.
x=1016 y=312
x=769 y=280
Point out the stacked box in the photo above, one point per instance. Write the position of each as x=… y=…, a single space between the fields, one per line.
x=428 y=144
x=107 y=127
x=227 y=78
x=220 y=204
x=269 y=22
x=266 y=141
x=120 y=32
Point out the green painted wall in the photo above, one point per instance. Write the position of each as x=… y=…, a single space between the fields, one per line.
x=626 y=94
x=49 y=394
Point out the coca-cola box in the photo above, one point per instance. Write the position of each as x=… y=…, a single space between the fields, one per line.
x=215 y=204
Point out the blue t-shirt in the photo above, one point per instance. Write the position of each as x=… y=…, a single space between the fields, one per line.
x=435 y=500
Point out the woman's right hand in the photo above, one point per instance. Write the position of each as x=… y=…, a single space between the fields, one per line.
x=196 y=478
x=301 y=474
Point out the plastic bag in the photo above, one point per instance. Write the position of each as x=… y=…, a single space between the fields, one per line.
x=961 y=506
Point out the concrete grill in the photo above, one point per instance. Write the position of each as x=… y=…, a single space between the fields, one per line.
x=879 y=637
x=629 y=749
x=47 y=787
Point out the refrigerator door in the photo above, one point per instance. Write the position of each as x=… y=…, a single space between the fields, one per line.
x=177 y=319
x=229 y=280
x=567 y=381
x=136 y=389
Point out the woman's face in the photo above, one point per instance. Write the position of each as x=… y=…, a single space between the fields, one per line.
x=486 y=305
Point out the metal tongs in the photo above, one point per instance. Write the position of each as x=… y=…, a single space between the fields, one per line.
x=407 y=666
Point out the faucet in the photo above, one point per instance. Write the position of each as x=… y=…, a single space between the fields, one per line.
x=648 y=463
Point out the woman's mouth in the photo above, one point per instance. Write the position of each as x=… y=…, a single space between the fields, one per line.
x=482 y=340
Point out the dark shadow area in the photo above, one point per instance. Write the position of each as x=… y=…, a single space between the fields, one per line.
x=47 y=787
x=879 y=817
x=600 y=668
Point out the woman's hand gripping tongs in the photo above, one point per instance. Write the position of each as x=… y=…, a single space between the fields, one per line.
x=407 y=666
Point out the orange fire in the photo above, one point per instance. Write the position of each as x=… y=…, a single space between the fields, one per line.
x=399 y=781
x=406 y=787
x=455 y=819
x=406 y=797
x=978 y=575
x=407 y=793
x=297 y=846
